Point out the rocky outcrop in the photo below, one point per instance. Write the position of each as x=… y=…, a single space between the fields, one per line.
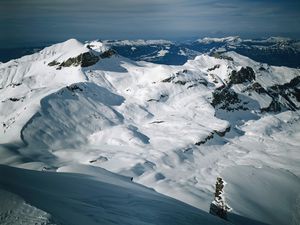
x=74 y=87
x=274 y=106
x=218 y=207
x=181 y=78
x=84 y=60
x=257 y=88
x=227 y=99
x=107 y=54
x=211 y=135
x=221 y=56
x=53 y=63
x=213 y=68
x=243 y=75
x=222 y=133
x=284 y=97
x=162 y=98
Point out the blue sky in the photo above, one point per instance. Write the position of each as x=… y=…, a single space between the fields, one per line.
x=28 y=22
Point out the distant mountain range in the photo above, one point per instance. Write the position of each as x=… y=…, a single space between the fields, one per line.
x=278 y=51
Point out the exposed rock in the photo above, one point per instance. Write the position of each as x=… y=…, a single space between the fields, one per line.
x=273 y=107
x=168 y=80
x=84 y=60
x=221 y=56
x=200 y=81
x=157 y=121
x=243 y=75
x=161 y=98
x=223 y=132
x=107 y=54
x=262 y=68
x=14 y=99
x=15 y=84
x=285 y=96
x=74 y=87
x=258 y=88
x=210 y=136
x=180 y=79
x=181 y=82
x=218 y=207
x=99 y=159
x=225 y=98
x=213 y=68
x=53 y=63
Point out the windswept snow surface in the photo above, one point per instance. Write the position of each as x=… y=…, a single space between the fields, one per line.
x=163 y=125
x=88 y=195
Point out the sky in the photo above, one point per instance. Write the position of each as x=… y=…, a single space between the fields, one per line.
x=36 y=22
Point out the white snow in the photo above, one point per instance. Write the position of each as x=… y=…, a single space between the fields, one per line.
x=139 y=42
x=162 y=53
x=208 y=40
x=88 y=195
x=142 y=120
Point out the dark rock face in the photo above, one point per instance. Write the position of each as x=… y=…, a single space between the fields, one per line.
x=213 y=68
x=168 y=80
x=181 y=78
x=258 y=88
x=218 y=207
x=107 y=54
x=286 y=96
x=221 y=133
x=218 y=211
x=84 y=60
x=53 y=63
x=74 y=87
x=14 y=99
x=225 y=98
x=210 y=136
x=221 y=56
x=273 y=107
x=244 y=75
x=162 y=98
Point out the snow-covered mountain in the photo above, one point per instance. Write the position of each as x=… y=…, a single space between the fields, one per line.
x=277 y=51
x=179 y=129
x=274 y=50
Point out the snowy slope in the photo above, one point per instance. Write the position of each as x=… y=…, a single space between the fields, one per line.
x=97 y=198
x=172 y=128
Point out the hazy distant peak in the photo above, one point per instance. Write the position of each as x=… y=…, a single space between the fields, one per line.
x=208 y=40
x=139 y=42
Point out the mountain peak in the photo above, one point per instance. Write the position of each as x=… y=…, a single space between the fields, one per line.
x=208 y=40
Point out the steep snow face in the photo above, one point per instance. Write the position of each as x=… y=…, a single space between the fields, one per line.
x=14 y=210
x=172 y=128
x=25 y=81
x=279 y=187
x=76 y=111
x=93 y=197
